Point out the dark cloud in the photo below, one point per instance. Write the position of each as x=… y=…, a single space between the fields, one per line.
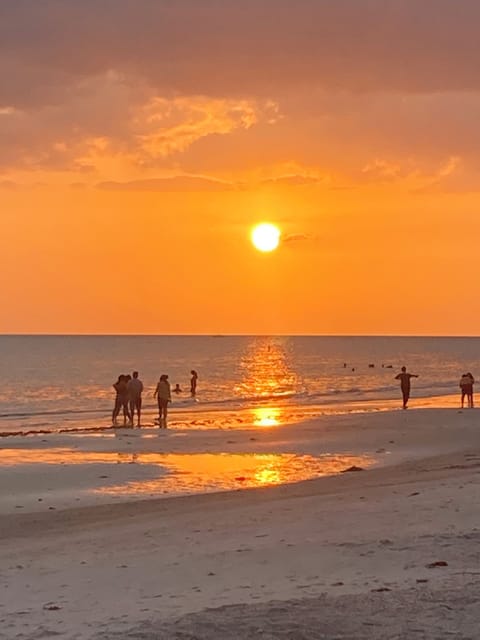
x=226 y=47
x=294 y=239
x=360 y=86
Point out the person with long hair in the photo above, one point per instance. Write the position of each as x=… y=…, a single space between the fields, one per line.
x=164 y=396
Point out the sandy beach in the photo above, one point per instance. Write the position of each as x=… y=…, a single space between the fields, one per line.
x=387 y=552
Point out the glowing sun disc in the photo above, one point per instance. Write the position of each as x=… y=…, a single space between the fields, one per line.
x=266 y=237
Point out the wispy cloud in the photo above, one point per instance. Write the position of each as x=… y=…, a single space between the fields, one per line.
x=171 y=184
x=165 y=127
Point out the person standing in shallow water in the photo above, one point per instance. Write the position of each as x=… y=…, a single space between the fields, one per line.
x=405 y=378
x=193 y=382
x=121 y=399
x=135 y=389
x=164 y=396
x=466 y=387
x=470 y=394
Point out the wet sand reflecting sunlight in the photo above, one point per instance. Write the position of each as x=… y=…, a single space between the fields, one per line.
x=177 y=474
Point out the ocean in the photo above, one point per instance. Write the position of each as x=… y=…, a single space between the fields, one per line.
x=51 y=383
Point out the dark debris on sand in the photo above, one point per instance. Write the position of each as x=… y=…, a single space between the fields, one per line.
x=414 y=614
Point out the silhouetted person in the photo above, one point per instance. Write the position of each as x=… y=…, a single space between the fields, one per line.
x=405 y=378
x=193 y=382
x=466 y=387
x=177 y=389
x=121 y=399
x=470 y=395
x=163 y=395
x=127 y=416
x=135 y=389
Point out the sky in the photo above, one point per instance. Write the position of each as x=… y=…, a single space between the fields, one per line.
x=140 y=141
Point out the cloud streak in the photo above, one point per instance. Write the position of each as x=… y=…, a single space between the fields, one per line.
x=169 y=185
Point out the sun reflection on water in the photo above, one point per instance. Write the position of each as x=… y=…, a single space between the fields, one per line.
x=158 y=474
x=267 y=370
x=267 y=416
x=200 y=473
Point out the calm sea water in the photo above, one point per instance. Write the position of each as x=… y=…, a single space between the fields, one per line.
x=51 y=382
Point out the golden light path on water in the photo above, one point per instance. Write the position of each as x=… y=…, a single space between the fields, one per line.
x=267 y=371
x=157 y=474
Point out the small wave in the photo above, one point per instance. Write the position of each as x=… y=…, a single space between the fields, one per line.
x=302 y=395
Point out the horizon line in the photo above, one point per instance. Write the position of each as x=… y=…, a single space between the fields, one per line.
x=236 y=335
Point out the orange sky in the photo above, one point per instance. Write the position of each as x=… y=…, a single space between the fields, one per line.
x=140 y=142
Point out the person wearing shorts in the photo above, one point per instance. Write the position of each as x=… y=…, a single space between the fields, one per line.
x=164 y=396
x=405 y=378
x=121 y=400
x=466 y=387
x=135 y=389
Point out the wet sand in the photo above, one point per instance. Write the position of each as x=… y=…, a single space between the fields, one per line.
x=345 y=556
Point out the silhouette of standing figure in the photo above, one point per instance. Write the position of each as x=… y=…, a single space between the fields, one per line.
x=466 y=386
x=164 y=396
x=121 y=399
x=193 y=382
x=404 y=378
x=135 y=389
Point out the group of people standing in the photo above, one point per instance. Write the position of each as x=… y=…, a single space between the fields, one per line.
x=128 y=397
x=129 y=389
x=466 y=387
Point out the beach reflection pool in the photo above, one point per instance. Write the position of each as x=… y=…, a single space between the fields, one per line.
x=157 y=475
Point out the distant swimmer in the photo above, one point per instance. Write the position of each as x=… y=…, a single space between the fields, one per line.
x=405 y=378
x=177 y=389
x=466 y=386
x=163 y=395
x=135 y=389
x=193 y=382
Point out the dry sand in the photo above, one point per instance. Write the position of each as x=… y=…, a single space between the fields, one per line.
x=345 y=556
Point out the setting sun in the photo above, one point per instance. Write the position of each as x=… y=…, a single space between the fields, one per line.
x=266 y=237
